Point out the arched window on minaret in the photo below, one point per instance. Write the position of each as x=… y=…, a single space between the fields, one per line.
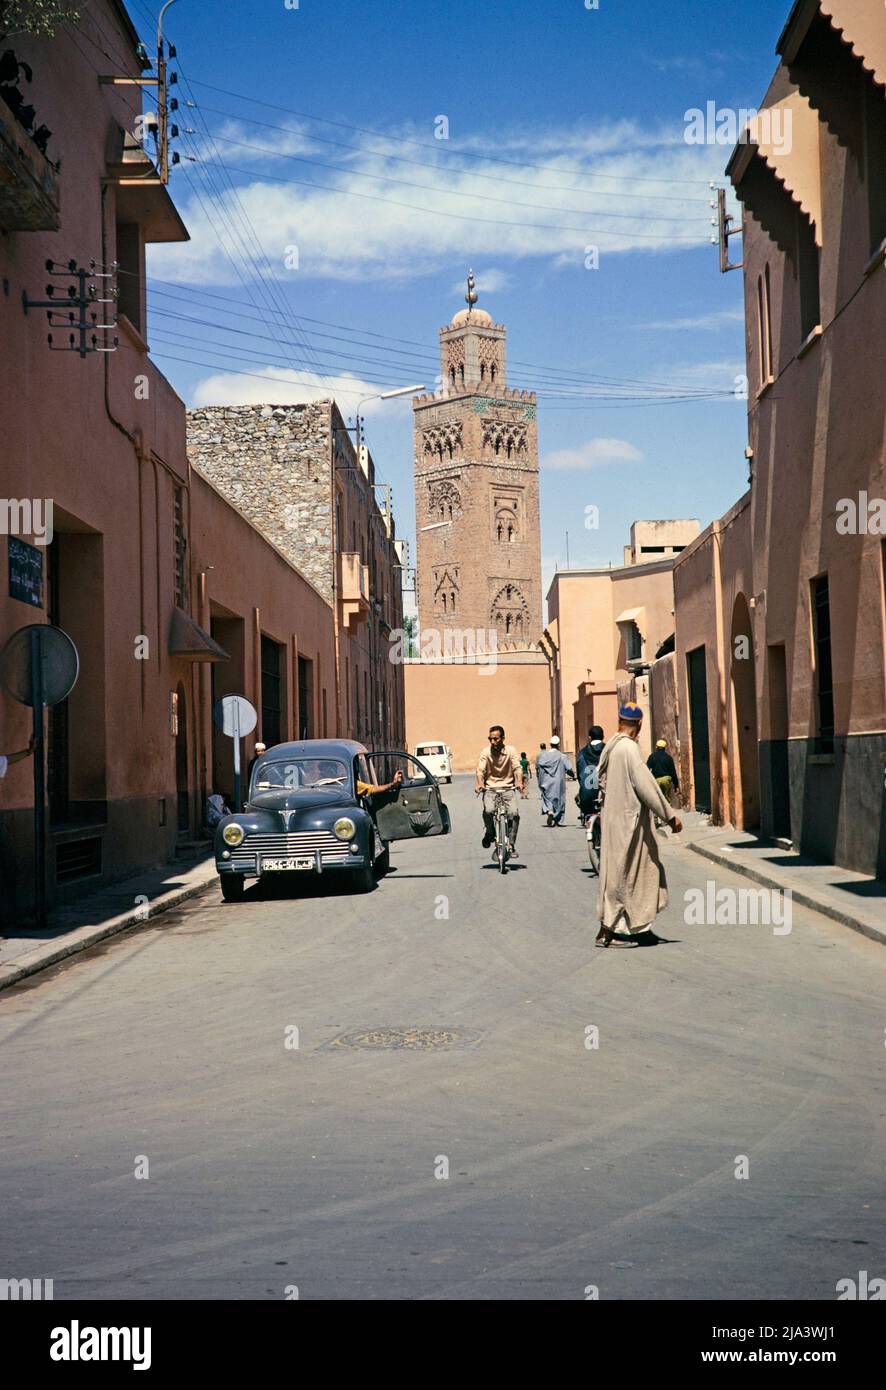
x=452 y=376
x=450 y=511
x=461 y=374
x=452 y=602
x=500 y=530
x=482 y=371
x=444 y=600
x=510 y=533
x=492 y=371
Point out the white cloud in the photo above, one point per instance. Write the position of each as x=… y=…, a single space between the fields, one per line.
x=487 y=281
x=280 y=386
x=592 y=453
x=718 y=319
x=616 y=185
x=703 y=376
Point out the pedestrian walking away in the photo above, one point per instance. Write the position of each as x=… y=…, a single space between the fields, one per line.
x=633 y=886
x=588 y=763
x=527 y=775
x=498 y=771
x=552 y=768
x=661 y=765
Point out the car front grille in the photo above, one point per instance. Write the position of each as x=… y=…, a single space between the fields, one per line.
x=332 y=850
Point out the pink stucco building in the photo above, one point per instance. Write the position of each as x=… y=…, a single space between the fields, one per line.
x=605 y=628
x=781 y=624
x=144 y=562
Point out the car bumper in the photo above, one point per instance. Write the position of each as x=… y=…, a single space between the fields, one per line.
x=249 y=865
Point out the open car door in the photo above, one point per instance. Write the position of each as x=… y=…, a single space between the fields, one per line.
x=416 y=809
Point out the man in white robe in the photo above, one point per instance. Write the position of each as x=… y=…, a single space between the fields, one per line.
x=633 y=887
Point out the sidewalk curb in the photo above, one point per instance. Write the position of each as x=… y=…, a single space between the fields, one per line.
x=726 y=861
x=50 y=953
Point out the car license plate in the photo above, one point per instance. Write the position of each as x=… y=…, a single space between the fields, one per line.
x=299 y=861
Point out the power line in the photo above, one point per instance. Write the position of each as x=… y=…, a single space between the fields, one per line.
x=423 y=164
x=438 y=148
x=370 y=378
x=617 y=405
x=423 y=357
x=461 y=217
x=457 y=193
x=565 y=386
x=266 y=289
x=423 y=351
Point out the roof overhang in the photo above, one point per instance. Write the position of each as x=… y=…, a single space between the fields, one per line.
x=860 y=24
x=784 y=137
x=631 y=615
x=141 y=197
x=188 y=640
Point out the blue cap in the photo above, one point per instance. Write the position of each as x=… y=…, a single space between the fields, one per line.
x=630 y=712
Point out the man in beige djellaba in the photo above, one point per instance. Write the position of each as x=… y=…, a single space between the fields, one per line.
x=633 y=887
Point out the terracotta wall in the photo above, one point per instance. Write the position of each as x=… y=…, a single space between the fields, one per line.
x=584 y=605
x=817 y=434
x=279 y=602
x=79 y=431
x=595 y=705
x=458 y=703
x=664 y=720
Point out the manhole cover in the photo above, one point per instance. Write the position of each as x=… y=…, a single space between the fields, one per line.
x=407 y=1039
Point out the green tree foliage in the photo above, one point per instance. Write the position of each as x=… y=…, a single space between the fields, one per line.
x=35 y=16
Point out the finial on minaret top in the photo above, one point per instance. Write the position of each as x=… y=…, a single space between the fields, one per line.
x=471 y=297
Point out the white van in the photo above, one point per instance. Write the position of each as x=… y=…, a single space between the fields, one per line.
x=437 y=758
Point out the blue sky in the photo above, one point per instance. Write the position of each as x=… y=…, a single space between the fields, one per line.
x=353 y=220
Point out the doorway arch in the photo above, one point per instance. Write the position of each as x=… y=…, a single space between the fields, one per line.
x=745 y=790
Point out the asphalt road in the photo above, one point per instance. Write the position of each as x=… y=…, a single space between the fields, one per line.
x=569 y=1166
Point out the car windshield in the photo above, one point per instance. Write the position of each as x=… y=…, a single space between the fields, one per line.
x=430 y=749
x=300 y=773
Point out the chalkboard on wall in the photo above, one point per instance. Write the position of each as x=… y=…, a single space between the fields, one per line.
x=25 y=572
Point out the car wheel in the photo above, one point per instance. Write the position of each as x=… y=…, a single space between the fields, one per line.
x=233 y=887
x=362 y=880
x=383 y=863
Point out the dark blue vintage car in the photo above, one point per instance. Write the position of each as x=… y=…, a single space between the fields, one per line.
x=307 y=811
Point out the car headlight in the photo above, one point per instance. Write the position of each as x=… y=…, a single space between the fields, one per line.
x=233 y=834
x=344 y=828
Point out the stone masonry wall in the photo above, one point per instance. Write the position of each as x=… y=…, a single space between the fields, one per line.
x=273 y=463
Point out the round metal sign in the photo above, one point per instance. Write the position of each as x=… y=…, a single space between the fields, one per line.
x=235 y=716
x=59 y=664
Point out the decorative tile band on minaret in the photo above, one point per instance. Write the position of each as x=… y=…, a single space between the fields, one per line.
x=478 y=552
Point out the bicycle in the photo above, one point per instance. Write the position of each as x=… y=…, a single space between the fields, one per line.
x=500 y=815
x=593 y=830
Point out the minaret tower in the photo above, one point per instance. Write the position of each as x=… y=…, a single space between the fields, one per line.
x=478 y=553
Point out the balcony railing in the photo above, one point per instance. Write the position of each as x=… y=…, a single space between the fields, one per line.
x=29 y=195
